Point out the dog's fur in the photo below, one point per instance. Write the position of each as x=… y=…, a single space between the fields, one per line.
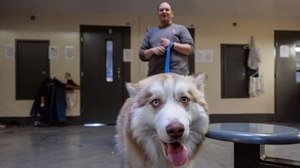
x=163 y=123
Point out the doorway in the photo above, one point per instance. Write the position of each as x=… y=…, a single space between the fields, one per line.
x=32 y=67
x=103 y=72
x=192 y=57
x=234 y=81
x=287 y=78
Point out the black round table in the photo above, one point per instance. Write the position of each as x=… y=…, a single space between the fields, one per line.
x=249 y=140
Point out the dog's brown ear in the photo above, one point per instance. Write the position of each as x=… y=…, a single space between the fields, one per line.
x=199 y=81
x=132 y=89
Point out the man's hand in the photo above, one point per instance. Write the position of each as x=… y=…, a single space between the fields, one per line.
x=160 y=50
x=164 y=42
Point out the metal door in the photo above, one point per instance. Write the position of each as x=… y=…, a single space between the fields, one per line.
x=287 y=77
x=234 y=81
x=32 y=67
x=103 y=72
x=192 y=57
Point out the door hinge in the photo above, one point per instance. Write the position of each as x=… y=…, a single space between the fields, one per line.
x=81 y=74
x=81 y=39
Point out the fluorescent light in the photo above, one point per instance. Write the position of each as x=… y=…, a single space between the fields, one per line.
x=94 y=125
x=297 y=49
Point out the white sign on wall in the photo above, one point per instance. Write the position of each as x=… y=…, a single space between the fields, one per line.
x=53 y=52
x=9 y=51
x=204 y=56
x=127 y=55
x=69 y=52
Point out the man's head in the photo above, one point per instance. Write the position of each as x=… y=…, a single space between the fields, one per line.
x=165 y=13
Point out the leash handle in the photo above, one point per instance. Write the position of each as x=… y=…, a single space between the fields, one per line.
x=168 y=55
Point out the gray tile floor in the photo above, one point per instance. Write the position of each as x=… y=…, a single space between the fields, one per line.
x=86 y=147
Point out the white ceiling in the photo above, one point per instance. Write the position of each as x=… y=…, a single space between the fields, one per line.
x=244 y=9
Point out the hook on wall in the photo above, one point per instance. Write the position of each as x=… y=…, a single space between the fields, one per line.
x=32 y=17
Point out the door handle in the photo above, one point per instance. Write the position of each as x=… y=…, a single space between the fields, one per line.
x=119 y=73
x=44 y=72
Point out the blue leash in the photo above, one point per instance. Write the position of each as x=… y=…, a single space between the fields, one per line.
x=168 y=55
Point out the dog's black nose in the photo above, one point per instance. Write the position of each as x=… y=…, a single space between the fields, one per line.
x=175 y=130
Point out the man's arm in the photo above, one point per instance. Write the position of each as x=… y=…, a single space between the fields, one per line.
x=184 y=49
x=187 y=46
x=160 y=50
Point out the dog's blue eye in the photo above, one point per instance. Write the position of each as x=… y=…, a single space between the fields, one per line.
x=185 y=100
x=155 y=102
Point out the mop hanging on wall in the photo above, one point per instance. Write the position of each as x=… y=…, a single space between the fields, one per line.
x=256 y=82
x=71 y=95
x=254 y=58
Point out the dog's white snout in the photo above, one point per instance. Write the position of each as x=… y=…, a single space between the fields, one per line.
x=175 y=130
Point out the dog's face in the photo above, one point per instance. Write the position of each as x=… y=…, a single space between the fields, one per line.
x=169 y=110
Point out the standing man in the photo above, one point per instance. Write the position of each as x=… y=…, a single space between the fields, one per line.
x=158 y=38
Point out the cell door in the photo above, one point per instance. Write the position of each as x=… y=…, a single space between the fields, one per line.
x=287 y=77
x=103 y=73
x=192 y=57
x=32 y=67
x=234 y=81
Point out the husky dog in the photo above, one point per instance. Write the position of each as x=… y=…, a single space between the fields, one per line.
x=163 y=122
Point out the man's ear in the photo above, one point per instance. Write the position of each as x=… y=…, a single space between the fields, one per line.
x=132 y=89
